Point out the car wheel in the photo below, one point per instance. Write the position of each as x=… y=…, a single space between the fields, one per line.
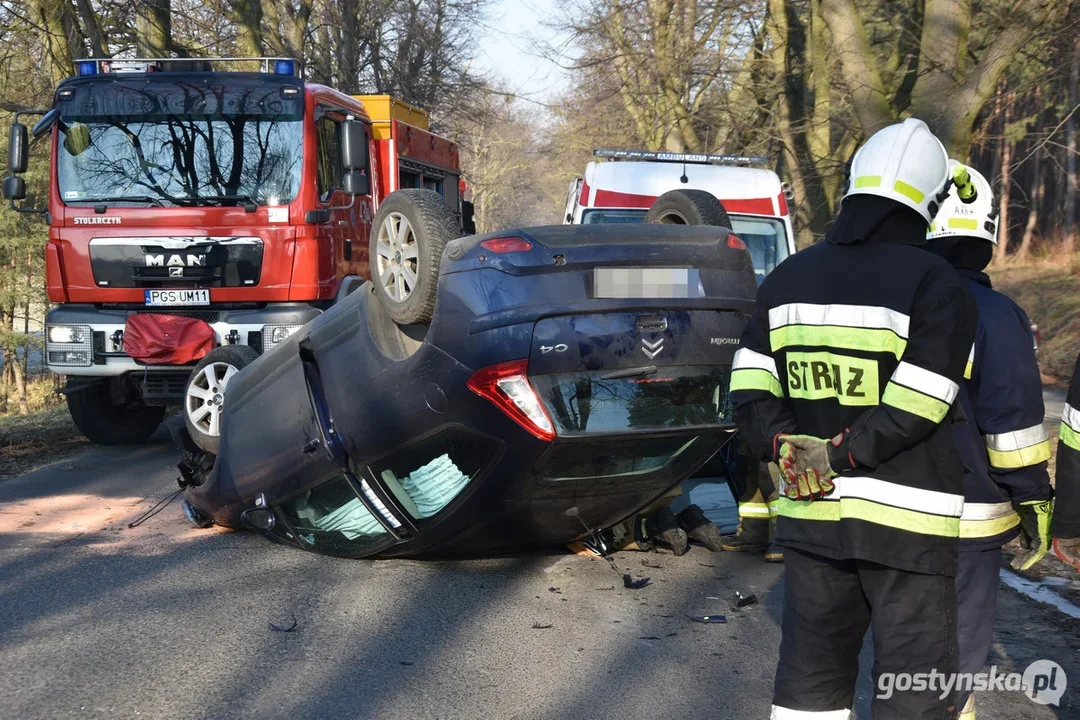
x=106 y=423
x=408 y=236
x=688 y=207
x=205 y=393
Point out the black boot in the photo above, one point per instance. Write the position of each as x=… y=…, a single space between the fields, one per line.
x=699 y=528
x=663 y=530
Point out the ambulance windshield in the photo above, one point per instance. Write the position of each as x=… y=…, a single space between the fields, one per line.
x=765 y=237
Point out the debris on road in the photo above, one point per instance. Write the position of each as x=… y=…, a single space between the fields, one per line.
x=708 y=619
x=650 y=564
x=290 y=628
x=741 y=601
x=541 y=626
x=632 y=584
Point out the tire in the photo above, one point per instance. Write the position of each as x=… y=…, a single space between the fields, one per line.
x=205 y=392
x=688 y=207
x=395 y=257
x=104 y=423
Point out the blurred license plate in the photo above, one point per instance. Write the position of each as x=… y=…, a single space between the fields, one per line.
x=646 y=283
x=161 y=298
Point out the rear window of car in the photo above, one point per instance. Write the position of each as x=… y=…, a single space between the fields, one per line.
x=619 y=465
x=658 y=398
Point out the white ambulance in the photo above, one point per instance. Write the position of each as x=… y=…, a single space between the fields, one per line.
x=623 y=184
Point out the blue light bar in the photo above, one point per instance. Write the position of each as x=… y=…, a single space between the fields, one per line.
x=86 y=67
x=284 y=67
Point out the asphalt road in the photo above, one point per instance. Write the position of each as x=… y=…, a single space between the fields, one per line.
x=99 y=620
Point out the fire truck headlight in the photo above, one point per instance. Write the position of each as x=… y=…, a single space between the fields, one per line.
x=274 y=334
x=68 y=345
x=67 y=333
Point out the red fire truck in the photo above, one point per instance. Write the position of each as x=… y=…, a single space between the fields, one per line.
x=200 y=211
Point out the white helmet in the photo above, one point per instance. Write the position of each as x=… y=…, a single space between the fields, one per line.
x=975 y=218
x=905 y=163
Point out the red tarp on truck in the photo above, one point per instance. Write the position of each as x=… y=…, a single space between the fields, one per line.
x=167 y=339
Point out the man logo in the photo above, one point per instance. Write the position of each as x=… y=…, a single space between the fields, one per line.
x=176 y=272
x=180 y=261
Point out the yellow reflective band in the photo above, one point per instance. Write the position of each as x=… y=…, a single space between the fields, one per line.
x=841 y=338
x=914 y=402
x=871 y=512
x=867 y=181
x=963 y=223
x=824 y=375
x=774 y=508
x=1070 y=437
x=824 y=510
x=967 y=371
x=753 y=510
x=988 y=528
x=1024 y=457
x=755 y=379
x=909 y=191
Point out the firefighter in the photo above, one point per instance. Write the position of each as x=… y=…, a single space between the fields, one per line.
x=1065 y=528
x=755 y=488
x=1004 y=444
x=846 y=374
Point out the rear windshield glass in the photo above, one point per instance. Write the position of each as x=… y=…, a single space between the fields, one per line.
x=626 y=461
x=665 y=397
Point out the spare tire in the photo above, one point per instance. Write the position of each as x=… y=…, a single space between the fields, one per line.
x=408 y=236
x=205 y=392
x=688 y=207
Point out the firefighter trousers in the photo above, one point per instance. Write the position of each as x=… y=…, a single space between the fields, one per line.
x=828 y=606
x=976 y=596
x=757 y=495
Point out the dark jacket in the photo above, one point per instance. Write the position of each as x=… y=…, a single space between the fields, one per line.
x=1066 y=523
x=1004 y=444
x=866 y=336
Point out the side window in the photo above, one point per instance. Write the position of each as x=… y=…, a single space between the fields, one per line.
x=328 y=140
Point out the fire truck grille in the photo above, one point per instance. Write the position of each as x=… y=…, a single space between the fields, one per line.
x=207 y=316
x=176 y=262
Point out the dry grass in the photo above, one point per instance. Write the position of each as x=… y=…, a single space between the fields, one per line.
x=45 y=435
x=1049 y=290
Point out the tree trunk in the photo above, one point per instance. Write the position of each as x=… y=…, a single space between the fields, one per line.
x=5 y=383
x=20 y=385
x=1002 y=249
x=1069 y=243
x=153 y=28
x=1036 y=192
x=247 y=14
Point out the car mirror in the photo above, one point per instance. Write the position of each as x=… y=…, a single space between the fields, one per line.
x=354 y=146
x=18 y=144
x=259 y=518
x=355 y=183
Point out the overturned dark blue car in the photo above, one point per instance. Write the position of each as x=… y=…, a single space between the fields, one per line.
x=568 y=377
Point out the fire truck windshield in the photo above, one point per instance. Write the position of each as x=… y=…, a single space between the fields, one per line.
x=179 y=143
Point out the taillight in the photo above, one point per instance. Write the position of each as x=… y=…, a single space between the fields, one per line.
x=507 y=245
x=507 y=385
x=734 y=241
